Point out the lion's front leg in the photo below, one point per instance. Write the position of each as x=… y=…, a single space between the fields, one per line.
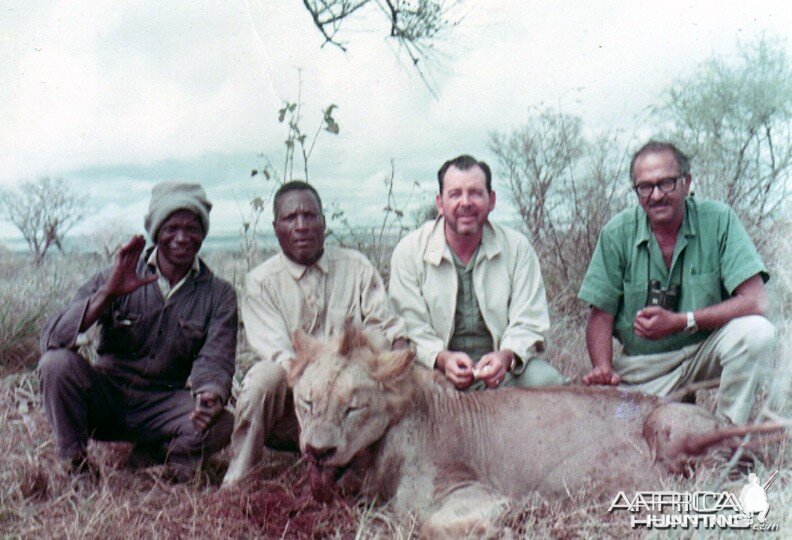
x=468 y=509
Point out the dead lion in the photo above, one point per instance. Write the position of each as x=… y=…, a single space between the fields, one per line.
x=456 y=459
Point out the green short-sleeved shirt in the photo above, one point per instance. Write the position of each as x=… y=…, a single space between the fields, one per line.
x=713 y=254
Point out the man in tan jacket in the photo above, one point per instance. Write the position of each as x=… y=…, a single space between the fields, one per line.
x=470 y=292
x=308 y=286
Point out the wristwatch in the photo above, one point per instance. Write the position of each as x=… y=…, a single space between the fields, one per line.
x=691 y=327
x=517 y=366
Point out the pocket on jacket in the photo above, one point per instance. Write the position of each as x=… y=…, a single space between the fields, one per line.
x=634 y=301
x=123 y=333
x=125 y=319
x=186 y=346
x=634 y=298
x=191 y=329
x=705 y=289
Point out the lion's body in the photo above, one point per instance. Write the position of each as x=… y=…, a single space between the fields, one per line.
x=520 y=440
x=455 y=458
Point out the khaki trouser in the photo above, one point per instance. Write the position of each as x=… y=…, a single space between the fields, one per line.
x=739 y=353
x=264 y=417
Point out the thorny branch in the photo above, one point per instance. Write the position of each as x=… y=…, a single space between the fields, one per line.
x=415 y=25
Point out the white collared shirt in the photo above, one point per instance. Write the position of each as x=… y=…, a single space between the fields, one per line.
x=282 y=296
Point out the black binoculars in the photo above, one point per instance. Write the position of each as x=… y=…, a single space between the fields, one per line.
x=665 y=298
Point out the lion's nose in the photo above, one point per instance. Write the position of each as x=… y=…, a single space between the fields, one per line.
x=318 y=454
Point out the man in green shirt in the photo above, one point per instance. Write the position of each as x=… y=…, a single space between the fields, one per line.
x=702 y=317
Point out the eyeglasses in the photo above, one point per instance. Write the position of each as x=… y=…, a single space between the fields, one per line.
x=666 y=185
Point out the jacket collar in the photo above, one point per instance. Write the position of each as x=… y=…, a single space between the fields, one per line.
x=297 y=270
x=437 y=248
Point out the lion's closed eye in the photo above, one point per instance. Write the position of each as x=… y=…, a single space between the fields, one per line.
x=305 y=404
x=352 y=409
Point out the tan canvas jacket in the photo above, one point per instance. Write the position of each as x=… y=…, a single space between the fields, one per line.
x=506 y=279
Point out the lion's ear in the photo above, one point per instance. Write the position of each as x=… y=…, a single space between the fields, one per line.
x=353 y=338
x=305 y=350
x=392 y=365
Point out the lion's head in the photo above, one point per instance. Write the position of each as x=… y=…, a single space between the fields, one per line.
x=347 y=392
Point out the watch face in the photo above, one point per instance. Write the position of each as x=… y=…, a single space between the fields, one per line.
x=691 y=327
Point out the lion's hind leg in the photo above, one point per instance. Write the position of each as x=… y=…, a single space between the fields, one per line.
x=463 y=507
x=668 y=430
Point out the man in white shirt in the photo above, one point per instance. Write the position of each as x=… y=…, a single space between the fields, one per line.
x=308 y=286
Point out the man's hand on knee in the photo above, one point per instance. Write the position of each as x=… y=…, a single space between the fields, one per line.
x=207 y=409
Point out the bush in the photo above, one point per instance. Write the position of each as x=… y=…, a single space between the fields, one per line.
x=28 y=295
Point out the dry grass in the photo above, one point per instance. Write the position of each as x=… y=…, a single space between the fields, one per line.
x=27 y=296
x=38 y=499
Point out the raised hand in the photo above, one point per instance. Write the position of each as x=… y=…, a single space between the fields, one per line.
x=123 y=277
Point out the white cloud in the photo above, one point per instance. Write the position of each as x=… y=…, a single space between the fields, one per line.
x=134 y=83
x=89 y=85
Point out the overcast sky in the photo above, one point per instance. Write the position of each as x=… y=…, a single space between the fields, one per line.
x=115 y=96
